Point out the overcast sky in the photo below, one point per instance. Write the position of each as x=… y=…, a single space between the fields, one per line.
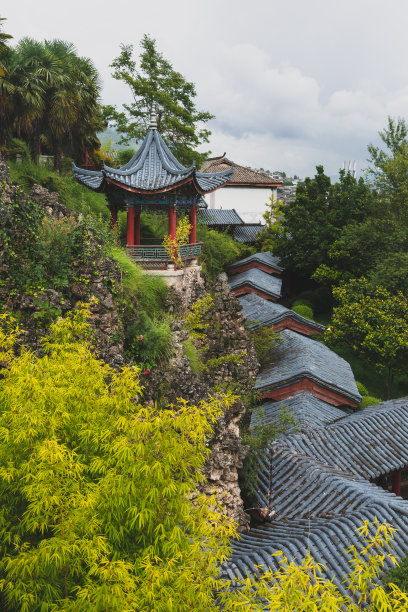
x=292 y=83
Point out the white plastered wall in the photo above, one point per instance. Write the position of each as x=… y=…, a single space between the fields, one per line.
x=249 y=202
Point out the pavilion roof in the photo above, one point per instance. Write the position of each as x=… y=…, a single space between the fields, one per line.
x=298 y=357
x=152 y=169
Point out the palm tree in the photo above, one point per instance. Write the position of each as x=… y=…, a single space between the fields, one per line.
x=73 y=110
x=3 y=46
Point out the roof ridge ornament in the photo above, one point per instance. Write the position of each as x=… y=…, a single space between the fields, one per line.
x=153 y=118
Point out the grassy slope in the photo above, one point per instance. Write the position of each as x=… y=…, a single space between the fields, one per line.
x=73 y=195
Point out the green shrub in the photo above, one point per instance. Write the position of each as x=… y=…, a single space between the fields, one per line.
x=219 y=250
x=319 y=299
x=302 y=303
x=369 y=400
x=362 y=389
x=304 y=311
x=193 y=355
x=398 y=575
x=150 y=291
x=265 y=339
x=148 y=341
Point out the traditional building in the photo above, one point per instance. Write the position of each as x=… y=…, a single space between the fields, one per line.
x=248 y=191
x=263 y=313
x=256 y=281
x=153 y=179
x=319 y=486
x=299 y=363
x=263 y=261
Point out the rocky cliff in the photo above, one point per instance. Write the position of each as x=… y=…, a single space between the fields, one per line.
x=227 y=352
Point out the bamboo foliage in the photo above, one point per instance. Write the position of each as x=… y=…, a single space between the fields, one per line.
x=95 y=488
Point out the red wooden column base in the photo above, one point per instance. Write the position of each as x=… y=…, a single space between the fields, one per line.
x=137 y=228
x=130 y=229
x=193 y=223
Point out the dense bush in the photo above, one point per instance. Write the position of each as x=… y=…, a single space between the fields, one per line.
x=303 y=311
x=219 y=250
x=369 y=400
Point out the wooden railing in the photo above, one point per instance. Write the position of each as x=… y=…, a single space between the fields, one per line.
x=155 y=256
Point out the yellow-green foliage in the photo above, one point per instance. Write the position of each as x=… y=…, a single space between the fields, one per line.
x=193 y=355
x=230 y=358
x=98 y=502
x=195 y=322
x=96 y=489
x=150 y=291
x=172 y=245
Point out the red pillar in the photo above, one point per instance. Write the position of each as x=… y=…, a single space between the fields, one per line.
x=172 y=222
x=396 y=482
x=193 y=223
x=130 y=228
x=137 y=227
x=114 y=217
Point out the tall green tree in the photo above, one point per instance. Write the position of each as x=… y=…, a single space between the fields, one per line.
x=374 y=324
x=154 y=83
x=4 y=37
x=51 y=96
x=313 y=221
x=389 y=169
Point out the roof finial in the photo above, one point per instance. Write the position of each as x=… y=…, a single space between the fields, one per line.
x=153 y=120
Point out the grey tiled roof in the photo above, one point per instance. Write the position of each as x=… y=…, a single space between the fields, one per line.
x=218 y=216
x=257 y=279
x=263 y=313
x=309 y=412
x=317 y=490
x=153 y=167
x=247 y=233
x=298 y=357
x=368 y=443
x=265 y=258
x=325 y=539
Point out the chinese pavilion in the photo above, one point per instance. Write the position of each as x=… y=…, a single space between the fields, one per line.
x=155 y=180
